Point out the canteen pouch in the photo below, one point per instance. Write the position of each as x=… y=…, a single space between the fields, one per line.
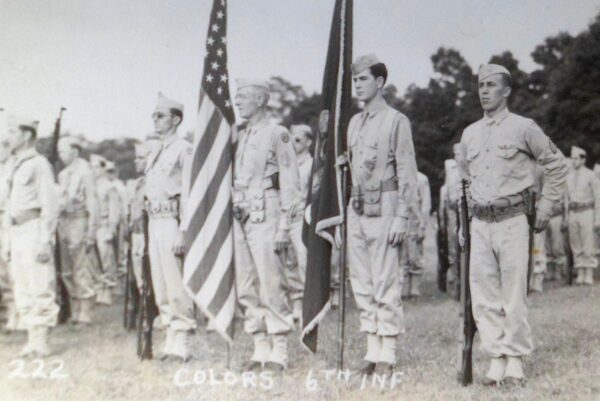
x=372 y=199
x=357 y=204
x=256 y=197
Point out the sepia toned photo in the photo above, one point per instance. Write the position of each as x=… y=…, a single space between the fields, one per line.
x=299 y=200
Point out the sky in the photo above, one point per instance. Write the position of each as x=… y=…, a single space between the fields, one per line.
x=105 y=61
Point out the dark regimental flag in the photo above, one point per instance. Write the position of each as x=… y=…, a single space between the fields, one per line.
x=325 y=211
x=208 y=273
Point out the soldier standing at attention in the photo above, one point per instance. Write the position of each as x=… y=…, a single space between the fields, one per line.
x=303 y=138
x=6 y=281
x=412 y=247
x=266 y=187
x=108 y=221
x=165 y=205
x=77 y=228
x=383 y=169
x=500 y=153
x=584 y=216
x=31 y=219
x=449 y=208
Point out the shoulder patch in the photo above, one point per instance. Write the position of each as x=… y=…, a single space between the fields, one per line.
x=285 y=137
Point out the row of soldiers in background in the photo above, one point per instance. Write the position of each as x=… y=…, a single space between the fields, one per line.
x=567 y=250
x=86 y=209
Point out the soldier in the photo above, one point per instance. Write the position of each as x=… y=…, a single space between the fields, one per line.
x=266 y=188
x=108 y=221
x=121 y=238
x=556 y=258
x=500 y=153
x=584 y=216
x=77 y=228
x=411 y=258
x=302 y=136
x=449 y=208
x=383 y=172
x=6 y=282
x=165 y=205
x=31 y=219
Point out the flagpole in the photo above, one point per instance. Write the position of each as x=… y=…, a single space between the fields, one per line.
x=342 y=267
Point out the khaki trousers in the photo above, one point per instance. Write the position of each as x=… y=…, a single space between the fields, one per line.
x=76 y=263
x=499 y=257
x=175 y=306
x=137 y=257
x=34 y=282
x=555 y=244
x=451 y=228
x=259 y=275
x=581 y=237
x=374 y=274
x=296 y=274
x=107 y=254
x=539 y=253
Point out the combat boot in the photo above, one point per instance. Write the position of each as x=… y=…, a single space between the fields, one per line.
x=514 y=372
x=537 y=281
x=589 y=276
x=27 y=349
x=179 y=346
x=75 y=310
x=580 y=276
x=85 y=311
x=168 y=345
x=496 y=372
x=39 y=346
x=415 y=282
x=278 y=359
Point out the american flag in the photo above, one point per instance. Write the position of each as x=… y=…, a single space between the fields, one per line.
x=208 y=273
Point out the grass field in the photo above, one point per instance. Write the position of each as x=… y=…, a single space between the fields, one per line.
x=100 y=362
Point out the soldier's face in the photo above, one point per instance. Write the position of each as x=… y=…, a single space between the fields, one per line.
x=366 y=86
x=248 y=101
x=493 y=93
x=16 y=138
x=140 y=162
x=66 y=153
x=164 y=121
x=301 y=141
x=577 y=161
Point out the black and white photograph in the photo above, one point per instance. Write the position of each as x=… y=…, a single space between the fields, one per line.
x=296 y=200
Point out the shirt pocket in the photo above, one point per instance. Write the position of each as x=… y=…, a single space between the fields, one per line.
x=370 y=150
x=512 y=165
x=472 y=158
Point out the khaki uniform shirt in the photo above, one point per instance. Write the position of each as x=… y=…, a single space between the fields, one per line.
x=366 y=138
x=304 y=168
x=164 y=173
x=78 y=192
x=136 y=208
x=32 y=186
x=280 y=158
x=499 y=157
x=582 y=188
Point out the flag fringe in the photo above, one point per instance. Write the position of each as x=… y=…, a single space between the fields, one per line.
x=314 y=323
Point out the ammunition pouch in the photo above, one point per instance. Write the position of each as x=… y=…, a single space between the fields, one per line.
x=372 y=200
x=257 y=205
x=506 y=207
x=240 y=206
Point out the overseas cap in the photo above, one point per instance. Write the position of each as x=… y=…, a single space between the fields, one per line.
x=110 y=166
x=364 y=62
x=69 y=140
x=576 y=151
x=487 y=70
x=164 y=103
x=450 y=164
x=17 y=121
x=259 y=83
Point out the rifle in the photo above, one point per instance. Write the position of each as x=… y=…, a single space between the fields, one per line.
x=469 y=327
x=148 y=308
x=62 y=292
x=531 y=221
x=442 y=243
x=132 y=296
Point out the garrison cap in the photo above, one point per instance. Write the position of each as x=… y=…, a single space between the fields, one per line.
x=258 y=83
x=164 y=103
x=364 y=62
x=576 y=151
x=487 y=70
x=450 y=164
x=69 y=140
x=110 y=166
x=18 y=121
